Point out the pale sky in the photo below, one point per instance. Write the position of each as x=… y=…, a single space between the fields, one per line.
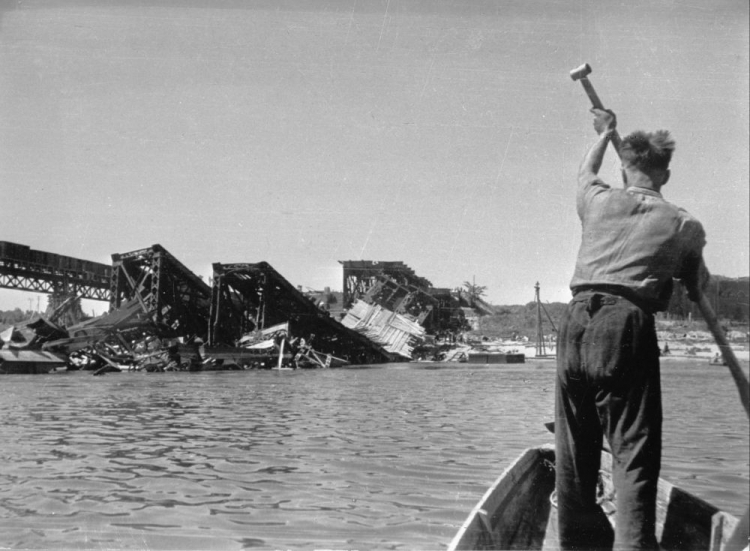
x=445 y=134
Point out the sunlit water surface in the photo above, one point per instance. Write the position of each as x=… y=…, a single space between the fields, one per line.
x=389 y=457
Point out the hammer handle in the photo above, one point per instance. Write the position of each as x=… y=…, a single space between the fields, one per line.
x=597 y=103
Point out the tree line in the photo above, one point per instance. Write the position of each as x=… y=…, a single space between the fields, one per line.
x=14 y=317
x=728 y=297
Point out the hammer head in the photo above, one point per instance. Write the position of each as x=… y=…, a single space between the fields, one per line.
x=580 y=72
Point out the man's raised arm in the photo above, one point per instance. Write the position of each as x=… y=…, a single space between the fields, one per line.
x=605 y=123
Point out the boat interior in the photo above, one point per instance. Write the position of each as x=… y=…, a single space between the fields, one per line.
x=518 y=511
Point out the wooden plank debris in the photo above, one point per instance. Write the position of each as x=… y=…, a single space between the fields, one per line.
x=397 y=333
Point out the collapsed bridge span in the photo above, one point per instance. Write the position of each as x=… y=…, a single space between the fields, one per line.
x=253 y=297
x=168 y=291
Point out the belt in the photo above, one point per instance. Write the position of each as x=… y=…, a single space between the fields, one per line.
x=594 y=301
x=598 y=296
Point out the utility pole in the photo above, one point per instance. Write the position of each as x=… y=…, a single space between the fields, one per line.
x=540 y=349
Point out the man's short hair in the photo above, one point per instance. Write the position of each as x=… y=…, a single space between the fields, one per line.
x=647 y=151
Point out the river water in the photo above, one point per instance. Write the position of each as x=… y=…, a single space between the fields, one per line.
x=388 y=457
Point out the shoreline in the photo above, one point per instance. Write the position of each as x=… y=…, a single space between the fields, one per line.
x=701 y=351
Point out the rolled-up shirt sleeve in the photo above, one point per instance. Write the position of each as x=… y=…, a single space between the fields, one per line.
x=588 y=187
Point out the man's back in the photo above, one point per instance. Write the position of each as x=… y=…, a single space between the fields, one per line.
x=633 y=238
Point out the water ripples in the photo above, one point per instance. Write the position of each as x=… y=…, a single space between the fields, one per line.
x=389 y=457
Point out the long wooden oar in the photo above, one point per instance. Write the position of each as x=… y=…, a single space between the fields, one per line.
x=726 y=351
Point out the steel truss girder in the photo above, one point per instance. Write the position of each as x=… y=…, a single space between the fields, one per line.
x=26 y=276
x=170 y=293
x=361 y=275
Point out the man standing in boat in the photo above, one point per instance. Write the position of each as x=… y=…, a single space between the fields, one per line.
x=608 y=383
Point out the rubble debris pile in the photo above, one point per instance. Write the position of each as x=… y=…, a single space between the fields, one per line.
x=19 y=350
x=126 y=339
x=276 y=348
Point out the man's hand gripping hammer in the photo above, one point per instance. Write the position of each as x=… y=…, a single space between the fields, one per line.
x=581 y=73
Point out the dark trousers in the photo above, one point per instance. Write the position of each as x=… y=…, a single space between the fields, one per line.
x=608 y=384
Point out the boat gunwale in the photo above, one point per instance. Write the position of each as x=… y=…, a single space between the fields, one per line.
x=712 y=525
x=531 y=456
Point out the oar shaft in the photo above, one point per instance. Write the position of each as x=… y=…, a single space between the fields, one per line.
x=726 y=351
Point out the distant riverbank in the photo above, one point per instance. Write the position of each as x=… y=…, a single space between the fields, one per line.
x=704 y=349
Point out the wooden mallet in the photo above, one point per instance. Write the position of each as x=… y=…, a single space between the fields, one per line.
x=581 y=73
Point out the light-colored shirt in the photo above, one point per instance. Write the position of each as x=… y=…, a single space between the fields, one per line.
x=635 y=240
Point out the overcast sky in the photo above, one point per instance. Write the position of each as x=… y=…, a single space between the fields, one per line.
x=445 y=134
